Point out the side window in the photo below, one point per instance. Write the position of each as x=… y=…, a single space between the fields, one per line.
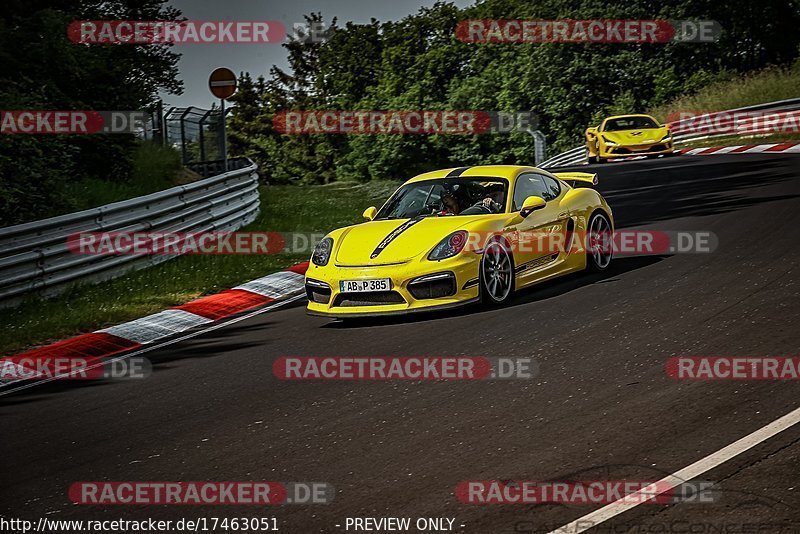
x=534 y=185
x=552 y=186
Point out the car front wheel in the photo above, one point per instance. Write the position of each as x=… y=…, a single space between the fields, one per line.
x=497 y=273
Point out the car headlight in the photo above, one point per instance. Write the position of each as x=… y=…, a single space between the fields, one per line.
x=322 y=252
x=608 y=142
x=449 y=246
x=666 y=137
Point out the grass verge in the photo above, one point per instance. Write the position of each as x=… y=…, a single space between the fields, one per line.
x=88 y=308
x=154 y=168
x=732 y=140
x=769 y=85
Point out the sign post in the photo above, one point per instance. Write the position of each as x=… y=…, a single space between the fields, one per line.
x=222 y=84
x=539 y=146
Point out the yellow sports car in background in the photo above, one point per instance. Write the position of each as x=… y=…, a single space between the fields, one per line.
x=627 y=135
x=456 y=236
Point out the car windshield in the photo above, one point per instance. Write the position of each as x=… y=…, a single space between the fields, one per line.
x=629 y=123
x=448 y=196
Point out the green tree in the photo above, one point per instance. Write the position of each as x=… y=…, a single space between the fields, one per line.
x=42 y=69
x=417 y=63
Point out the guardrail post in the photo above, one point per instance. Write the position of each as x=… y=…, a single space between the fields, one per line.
x=160 y=123
x=183 y=135
x=202 y=135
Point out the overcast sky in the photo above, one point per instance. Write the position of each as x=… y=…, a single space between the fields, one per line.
x=198 y=60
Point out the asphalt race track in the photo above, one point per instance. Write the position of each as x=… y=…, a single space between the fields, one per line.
x=601 y=407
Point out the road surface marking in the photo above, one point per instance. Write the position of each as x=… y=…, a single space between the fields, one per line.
x=679 y=477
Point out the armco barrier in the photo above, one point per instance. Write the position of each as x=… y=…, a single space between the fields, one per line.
x=722 y=119
x=34 y=256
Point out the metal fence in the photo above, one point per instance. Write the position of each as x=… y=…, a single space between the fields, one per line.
x=723 y=120
x=35 y=256
x=195 y=132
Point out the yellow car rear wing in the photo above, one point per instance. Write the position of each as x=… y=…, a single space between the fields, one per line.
x=584 y=177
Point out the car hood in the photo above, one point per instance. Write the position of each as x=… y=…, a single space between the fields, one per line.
x=394 y=241
x=635 y=137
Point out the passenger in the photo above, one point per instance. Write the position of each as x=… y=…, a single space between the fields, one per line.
x=450 y=204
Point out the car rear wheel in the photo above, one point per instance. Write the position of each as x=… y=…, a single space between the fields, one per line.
x=599 y=243
x=497 y=273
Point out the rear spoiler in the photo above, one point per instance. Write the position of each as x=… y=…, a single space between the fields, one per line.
x=584 y=177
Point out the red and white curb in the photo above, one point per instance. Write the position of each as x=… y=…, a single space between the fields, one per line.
x=791 y=148
x=101 y=344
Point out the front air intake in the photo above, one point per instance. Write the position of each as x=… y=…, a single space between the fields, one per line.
x=433 y=286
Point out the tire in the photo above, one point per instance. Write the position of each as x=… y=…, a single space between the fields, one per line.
x=598 y=158
x=591 y=159
x=598 y=251
x=496 y=280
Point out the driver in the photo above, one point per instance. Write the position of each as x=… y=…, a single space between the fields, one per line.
x=450 y=204
x=494 y=198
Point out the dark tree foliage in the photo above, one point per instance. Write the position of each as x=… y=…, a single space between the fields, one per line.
x=40 y=68
x=418 y=64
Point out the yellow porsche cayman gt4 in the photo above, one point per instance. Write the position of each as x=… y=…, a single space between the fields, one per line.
x=455 y=236
x=627 y=135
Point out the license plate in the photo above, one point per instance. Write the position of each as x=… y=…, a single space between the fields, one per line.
x=362 y=286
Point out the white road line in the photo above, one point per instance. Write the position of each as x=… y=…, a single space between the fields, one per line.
x=679 y=477
x=190 y=335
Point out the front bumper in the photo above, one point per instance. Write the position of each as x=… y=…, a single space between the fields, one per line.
x=626 y=151
x=404 y=296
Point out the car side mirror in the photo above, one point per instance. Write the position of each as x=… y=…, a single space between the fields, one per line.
x=370 y=213
x=531 y=204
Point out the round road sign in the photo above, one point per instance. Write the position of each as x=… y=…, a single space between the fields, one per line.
x=222 y=83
